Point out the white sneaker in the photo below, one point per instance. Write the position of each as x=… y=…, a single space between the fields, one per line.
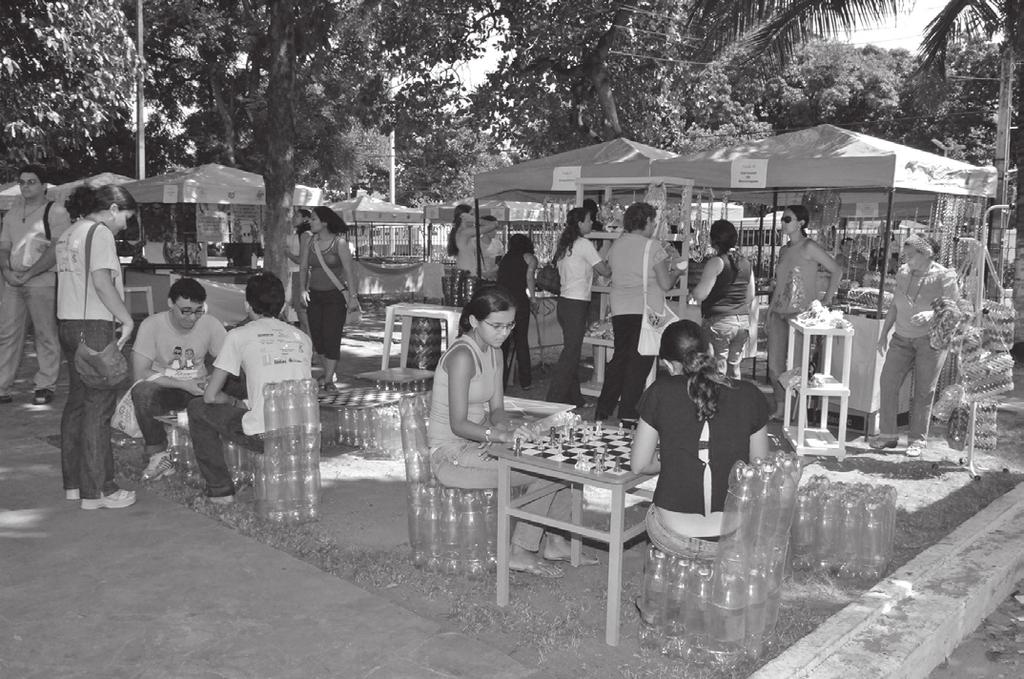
x=160 y=465
x=119 y=499
x=916 y=448
x=71 y=494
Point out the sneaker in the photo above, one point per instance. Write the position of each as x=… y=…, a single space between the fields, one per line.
x=119 y=499
x=42 y=397
x=879 y=442
x=71 y=494
x=160 y=465
x=916 y=448
x=222 y=499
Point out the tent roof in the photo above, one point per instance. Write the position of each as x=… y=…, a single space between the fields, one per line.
x=364 y=209
x=502 y=210
x=557 y=173
x=61 y=192
x=210 y=183
x=826 y=156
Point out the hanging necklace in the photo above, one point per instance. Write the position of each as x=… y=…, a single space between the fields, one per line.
x=920 y=284
x=26 y=215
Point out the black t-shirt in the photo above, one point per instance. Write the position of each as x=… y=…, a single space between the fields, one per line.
x=666 y=406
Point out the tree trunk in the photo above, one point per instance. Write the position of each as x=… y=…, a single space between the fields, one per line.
x=279 y=170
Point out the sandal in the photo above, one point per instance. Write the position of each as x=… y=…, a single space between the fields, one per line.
x=540 y=568
x=584 y=559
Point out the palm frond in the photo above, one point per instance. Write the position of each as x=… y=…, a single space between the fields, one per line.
x=956 y=20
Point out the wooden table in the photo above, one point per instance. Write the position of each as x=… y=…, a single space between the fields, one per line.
x=563 y=475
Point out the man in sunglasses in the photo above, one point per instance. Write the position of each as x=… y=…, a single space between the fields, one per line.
x=169 y=364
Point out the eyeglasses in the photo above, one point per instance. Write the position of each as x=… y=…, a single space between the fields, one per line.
x=197 y=312
x=27 y=182
x=502 y=326
x=787 y=220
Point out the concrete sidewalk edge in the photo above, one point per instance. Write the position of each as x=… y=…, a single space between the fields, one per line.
x=910 y=622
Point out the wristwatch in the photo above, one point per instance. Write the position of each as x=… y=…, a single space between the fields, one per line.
x=487 y=434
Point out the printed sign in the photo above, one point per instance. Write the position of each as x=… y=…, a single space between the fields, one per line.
x=867 y=210
x=749 y=173
x=170 y=193
x=563 y=177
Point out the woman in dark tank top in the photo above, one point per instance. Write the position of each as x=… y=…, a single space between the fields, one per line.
x=516 y=275
x=726 y=292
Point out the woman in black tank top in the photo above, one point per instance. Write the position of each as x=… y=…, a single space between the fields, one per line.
x=516 y=274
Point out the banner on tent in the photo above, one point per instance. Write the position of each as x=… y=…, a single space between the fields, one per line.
x=749 y=173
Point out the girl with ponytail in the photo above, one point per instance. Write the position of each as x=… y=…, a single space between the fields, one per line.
x=705 y=423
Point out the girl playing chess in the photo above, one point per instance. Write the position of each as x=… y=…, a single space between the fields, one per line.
x=467 y=415
x=705 y=423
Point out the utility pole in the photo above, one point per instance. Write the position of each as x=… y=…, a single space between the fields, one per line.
x=1002 y=156
x=140 y=99
x=391 y=166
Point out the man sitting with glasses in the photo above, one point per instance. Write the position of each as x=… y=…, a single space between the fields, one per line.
x=169 y=364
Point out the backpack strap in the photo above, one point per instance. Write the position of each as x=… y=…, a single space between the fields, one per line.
x=46 y=219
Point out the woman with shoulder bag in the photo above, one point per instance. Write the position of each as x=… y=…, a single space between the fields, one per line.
x=90 y=300
x=328 y=280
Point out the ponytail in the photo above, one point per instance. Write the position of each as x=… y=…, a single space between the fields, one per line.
x=703 y=384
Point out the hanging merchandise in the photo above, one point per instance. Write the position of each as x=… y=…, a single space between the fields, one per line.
x=958 y=428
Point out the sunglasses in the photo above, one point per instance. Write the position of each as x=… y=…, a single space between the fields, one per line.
x=787 y=220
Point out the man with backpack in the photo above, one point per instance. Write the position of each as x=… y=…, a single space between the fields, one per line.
x=28 y=266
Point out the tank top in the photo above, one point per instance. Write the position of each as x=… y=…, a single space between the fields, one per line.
x=318 y=280
x=512 y=276
x=482 y=387
x=729 y=293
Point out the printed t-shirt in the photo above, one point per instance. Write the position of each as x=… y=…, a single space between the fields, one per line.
x=576 y=270
x=667 y=406
x=268 y=351
x=626 y=257
x=27 y=240
x=178 y=353
x=72 y=294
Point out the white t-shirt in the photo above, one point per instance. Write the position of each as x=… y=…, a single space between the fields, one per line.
x=268 y=351
x=25 y=234
x=576 y=270
x=176 y=353
x=71 y=293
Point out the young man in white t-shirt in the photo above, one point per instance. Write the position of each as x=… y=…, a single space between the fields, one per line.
x=169 y=357
x=267 y=350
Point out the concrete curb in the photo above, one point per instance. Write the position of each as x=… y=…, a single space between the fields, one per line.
x=910 y=622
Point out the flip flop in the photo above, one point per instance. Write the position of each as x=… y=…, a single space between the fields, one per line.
x=584 y=559
x=544 y=570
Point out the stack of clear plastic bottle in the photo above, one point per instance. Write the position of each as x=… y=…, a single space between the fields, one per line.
x=287 y=474
x=720 y=610
x=844 y=529
x=451 y=530
x=179 y=447
x=372 y=428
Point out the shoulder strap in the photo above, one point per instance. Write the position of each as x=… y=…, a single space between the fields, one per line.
x=88 y=255
x=647 y=257
x=46 y=219
x=327 y=270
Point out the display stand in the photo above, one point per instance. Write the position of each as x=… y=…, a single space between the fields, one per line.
x=805 y=439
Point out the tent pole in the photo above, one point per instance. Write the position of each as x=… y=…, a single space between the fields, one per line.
x=885 y=250
x=476 y=223
x=760 y=242
x=775 y=234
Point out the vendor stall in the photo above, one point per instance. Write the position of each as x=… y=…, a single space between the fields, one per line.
x=851 y=183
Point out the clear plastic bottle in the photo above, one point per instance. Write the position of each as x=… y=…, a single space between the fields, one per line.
x=273 y=418
x=489 y=502
x=653 y=599
x=290 y=413
x=417 y=498
x=726 y=619
x=269 y=486
x=757 y=603
x=698 y=598
x=774 y=570
x=850 y=542
x=827 y=531
x=675 y=644
x=472 y=531
x=450 y=510
x=805 y=526
x=876 y=551
x=432 y=533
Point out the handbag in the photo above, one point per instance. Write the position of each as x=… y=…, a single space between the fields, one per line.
x=124 y=418
x=352 y=316
x=548 y=279
x=108 y=367
x=652 y=323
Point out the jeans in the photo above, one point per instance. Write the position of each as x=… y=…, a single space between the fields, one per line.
x=517 y=344
x=905 y=354
x=151 y=400
x=626 y=373
x=208 y=425
x=728 y=335
x=86 y=457
x=460 y=466
x=21 y=304
x=565 y=379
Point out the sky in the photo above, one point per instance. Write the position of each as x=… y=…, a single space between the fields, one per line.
x=903 y=32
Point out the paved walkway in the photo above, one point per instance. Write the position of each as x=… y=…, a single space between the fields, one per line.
x=158 y=590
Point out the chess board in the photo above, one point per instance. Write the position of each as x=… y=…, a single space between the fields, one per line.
x=360 y=397
x=604 y=452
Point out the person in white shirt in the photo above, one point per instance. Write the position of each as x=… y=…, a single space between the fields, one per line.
x=28 y=265
x=169 y=365
x=267 y=350
x=576 y=259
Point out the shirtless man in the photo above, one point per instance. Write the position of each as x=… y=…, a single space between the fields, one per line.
x=796 y=286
